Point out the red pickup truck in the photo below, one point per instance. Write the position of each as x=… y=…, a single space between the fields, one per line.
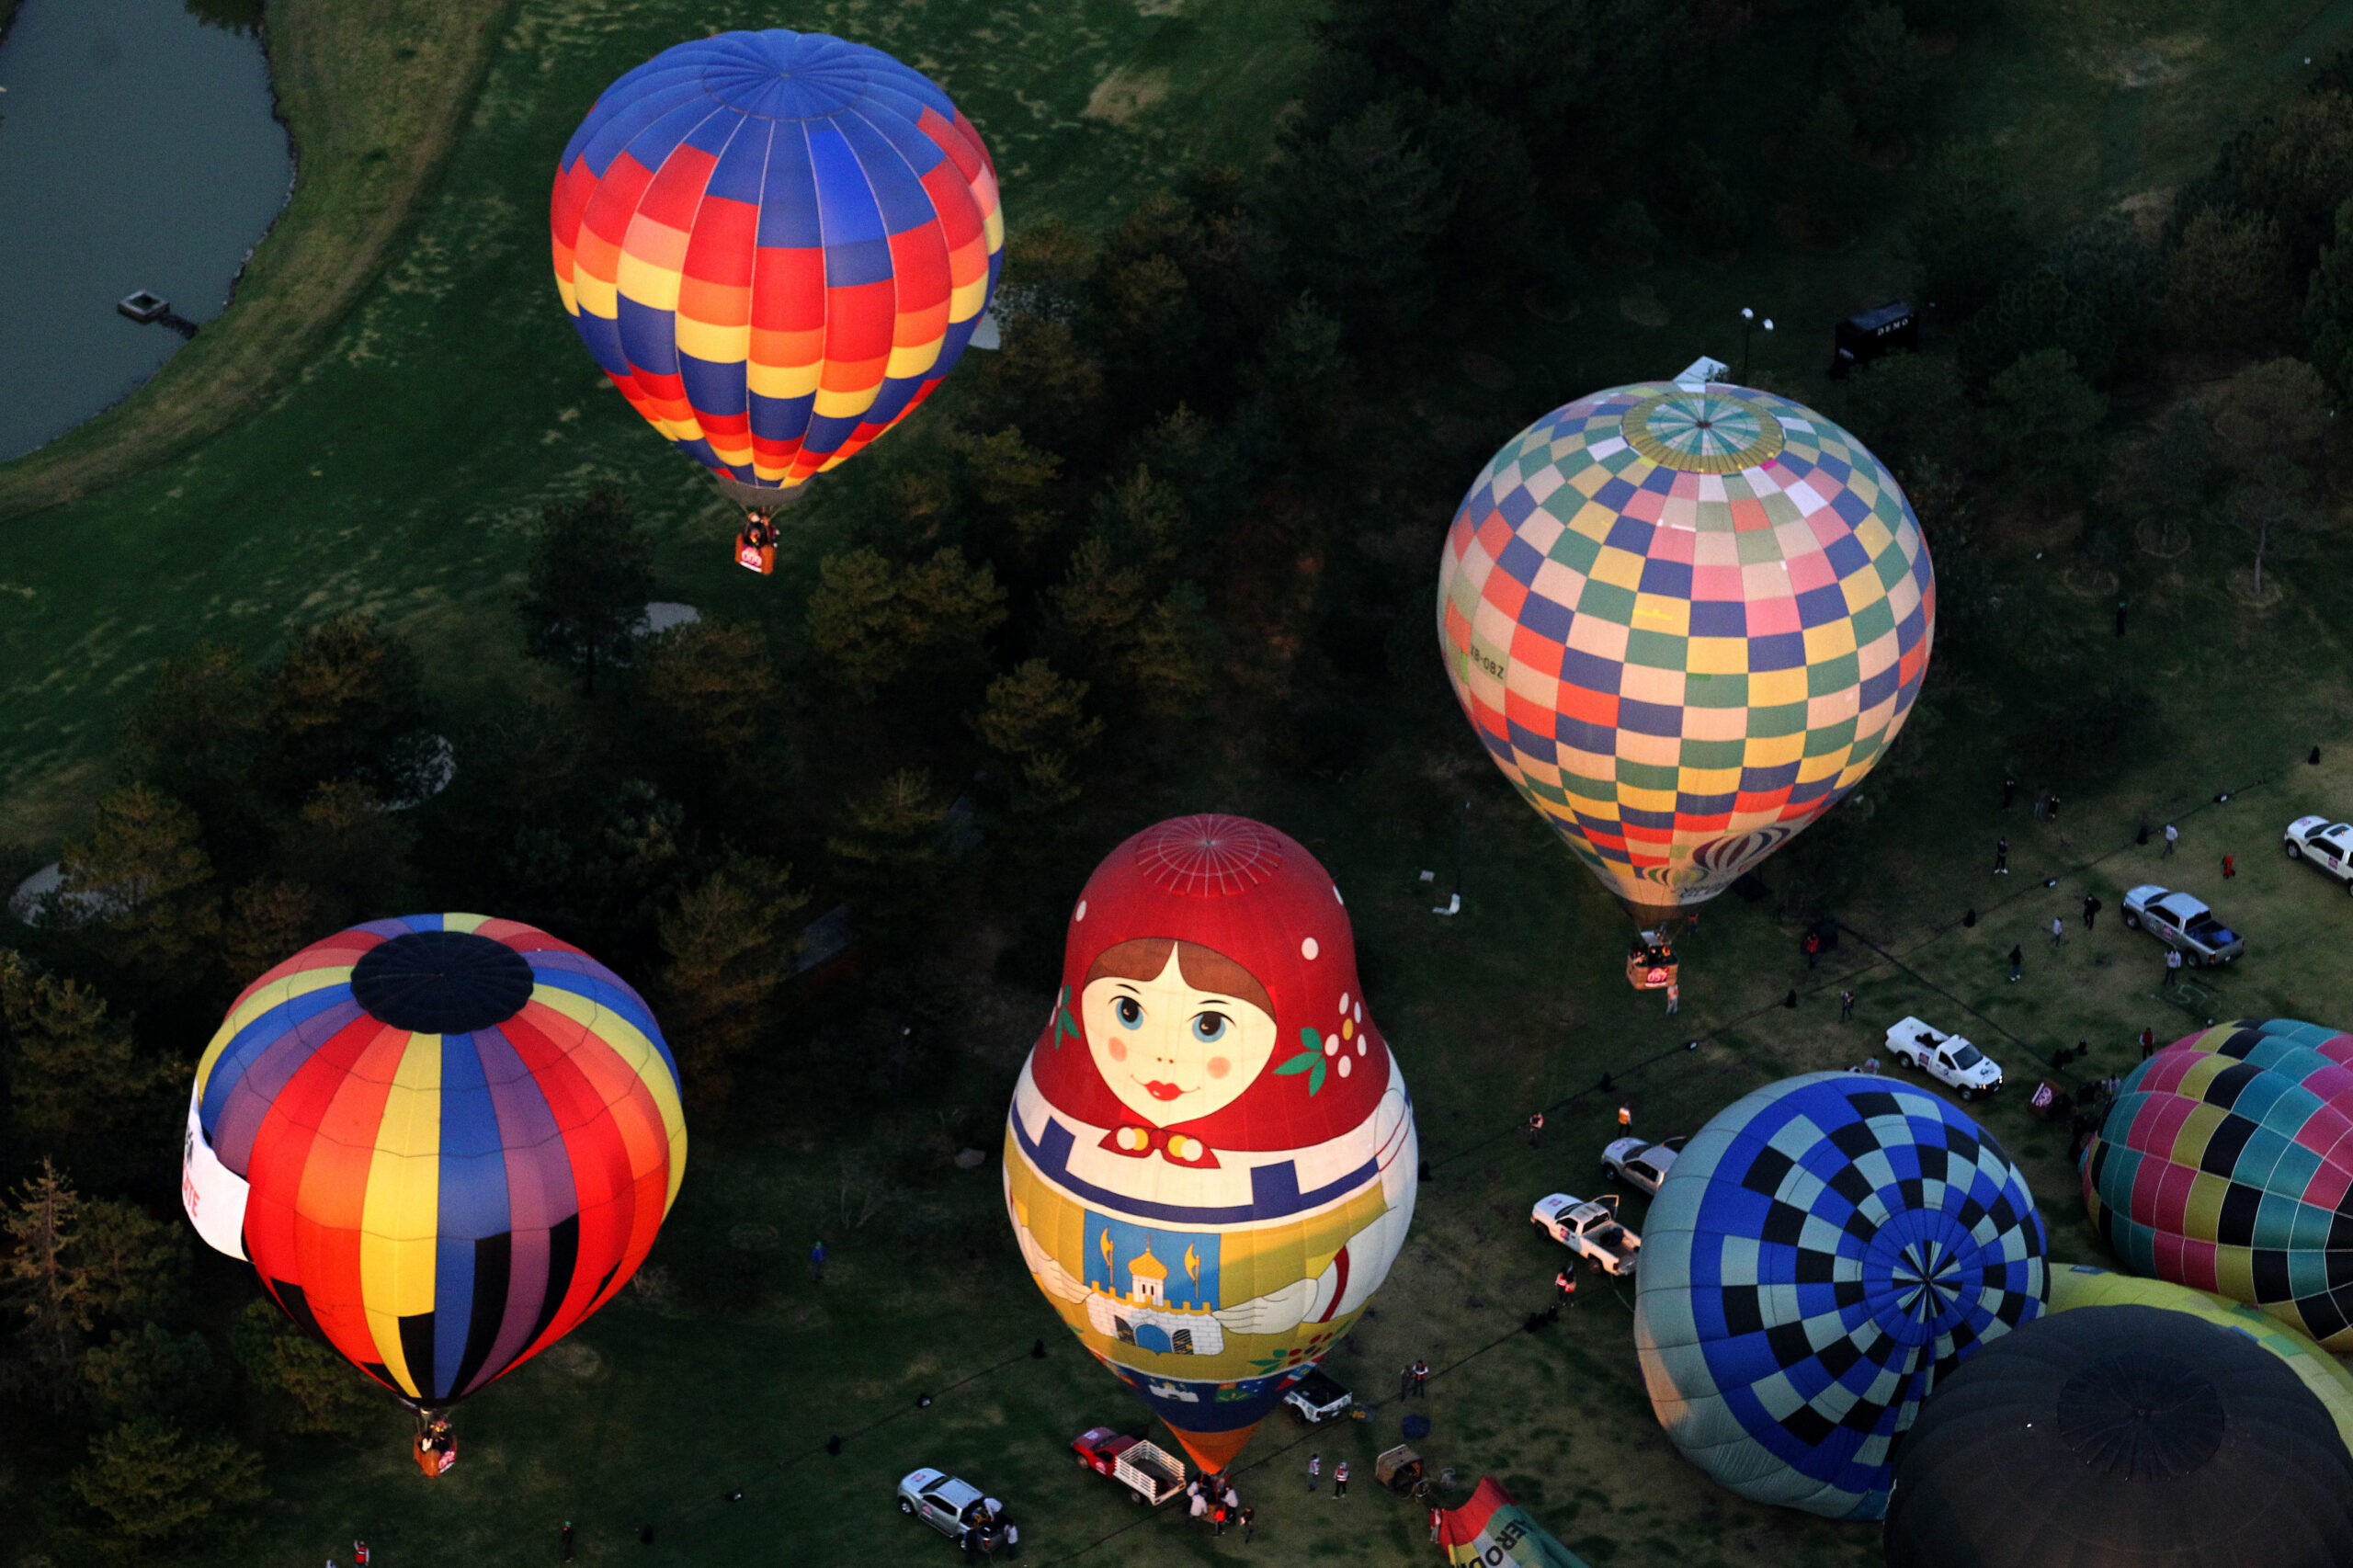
x=1150 y=1473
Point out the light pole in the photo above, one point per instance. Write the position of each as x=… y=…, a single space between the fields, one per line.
x=1748 y=324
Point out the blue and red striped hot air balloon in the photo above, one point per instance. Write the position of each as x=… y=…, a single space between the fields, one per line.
x=776 y=243
x=442 y=1140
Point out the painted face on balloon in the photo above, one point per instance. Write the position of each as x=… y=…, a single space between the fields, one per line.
x=1180 y=1035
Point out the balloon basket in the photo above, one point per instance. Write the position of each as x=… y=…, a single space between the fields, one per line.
x=1650 y=963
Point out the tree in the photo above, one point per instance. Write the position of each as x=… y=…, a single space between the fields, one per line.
x=153 y=1484
x=714 y=680
x=75 y=1075
x=1966 y=234
x=2329 y=307
x=322 y=1391
x=1034 y=718
x=149 y=1371
x=132 y=1265
x=2226 y=284
x=1823 y=145
x=40 y=1279
x=2271 y=416
x=345 y=847
x=893 y=829
x=199 y=733
x=726 y=945
x=2036 y=310
x=2267 y=505
x=1879 y=70
x=1362 y=202
x=139 y=886
x=871 y=621
x=590 y=575
x=2042 y=416
x=1016 y=482
x=1909 y=409
x=343 y=700
x=268 y=922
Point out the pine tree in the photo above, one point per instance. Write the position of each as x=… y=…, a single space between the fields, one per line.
x=590 y=575
x=40 y=1274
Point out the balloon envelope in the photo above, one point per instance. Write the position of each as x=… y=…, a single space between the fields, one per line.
x=1209 y=1161
x=1684 y=622
x=776 y=243
x=1824 y=1253
x=2225 y=1165
x=2082 y=1285
x=445 y=1141
x=2123 y=1435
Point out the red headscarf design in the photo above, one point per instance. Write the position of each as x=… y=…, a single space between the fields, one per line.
x=1260 y=899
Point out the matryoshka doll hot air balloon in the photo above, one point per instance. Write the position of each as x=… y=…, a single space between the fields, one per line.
x=776 y=243
x=1211 y=1160
x=442 y=1142
x=1685 y=620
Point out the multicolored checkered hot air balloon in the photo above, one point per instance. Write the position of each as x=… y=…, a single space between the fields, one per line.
x=2226 y=1165
x=776 y=243
x=442 y=1140
x=1685 y=620
x=1210 y=1162
x=1825 y=1253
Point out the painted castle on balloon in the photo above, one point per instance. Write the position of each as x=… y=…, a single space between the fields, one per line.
x=1142 y=1315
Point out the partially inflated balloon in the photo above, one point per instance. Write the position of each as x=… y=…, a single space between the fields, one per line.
x=1684 y=621
x=2226 y=1165
x=776 y=243
x=1209 y=1160
x=1825 y=1251
x=442 y=1140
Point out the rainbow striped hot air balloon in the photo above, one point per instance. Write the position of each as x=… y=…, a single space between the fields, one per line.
x=776 y=243
x=1685 y=620
x=442 y=1140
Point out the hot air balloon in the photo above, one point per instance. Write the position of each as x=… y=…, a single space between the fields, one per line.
x=1209 y=1161
x=1825 y=1251
x=1491 y=1531
x=2083 y=1285
x=776 y=243
x=1685 y=620
x=442 y=1140
x=2123 y=1436
x=2226 y=1164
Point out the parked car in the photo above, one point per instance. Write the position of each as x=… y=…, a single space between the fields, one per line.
x=2328 y=845
x=1588 y=1228
x=1150 y=1472
x=947 y=1504
x=1947 y=1058
x=1639 y=1163
x=2180 y=921
x=1317 y=1398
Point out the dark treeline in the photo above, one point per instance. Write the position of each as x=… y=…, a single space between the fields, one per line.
x=1169 y=549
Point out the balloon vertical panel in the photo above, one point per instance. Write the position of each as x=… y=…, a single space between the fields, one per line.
x=1209 y=1160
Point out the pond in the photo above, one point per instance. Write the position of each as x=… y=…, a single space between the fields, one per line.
x=138 y=150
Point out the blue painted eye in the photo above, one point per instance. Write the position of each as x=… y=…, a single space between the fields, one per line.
x=1208 y=1026
x=1129 y=1011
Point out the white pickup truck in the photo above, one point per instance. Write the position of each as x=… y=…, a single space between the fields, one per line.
x=1947 y=1058
x=1590 y=1229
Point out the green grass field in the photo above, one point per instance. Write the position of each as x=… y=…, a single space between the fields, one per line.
x=402 y=467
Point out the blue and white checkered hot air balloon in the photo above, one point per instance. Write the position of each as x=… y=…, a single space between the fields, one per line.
x=1825 y=1250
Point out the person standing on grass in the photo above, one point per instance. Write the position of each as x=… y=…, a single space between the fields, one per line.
x=1437 y=1518
x=1339 y=1480
x=2173 y=967
x=2058 y=931
x=2148 y=1043
x=1674 y=997
x=1535 y=1130
x=2229 y=866
x=817 y=1264
x=1012 y=1541
x=2001 y=857
x=2173 y=836
x=1315 y=1470
x=1249 y=1518
x=360 y=1553
x=2092 y=907
x=1233 y=1500
x=1420 y=1373
x=2009 y=791
x=1565 y=1286
x=1625 y=1116
x=1846 y=1006
x=1812 y=949
x=2017 y=962
x=564 y=1535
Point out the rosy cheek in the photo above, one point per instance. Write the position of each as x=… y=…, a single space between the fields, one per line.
x=1219 y=1066
x=1117 y=1050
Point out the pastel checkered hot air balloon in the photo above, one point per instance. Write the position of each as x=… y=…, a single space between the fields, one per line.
x=1210 y=1162
x=1824 y=1252
x=2226 y=1165
x=1685 y=620
x=776 y=243
x=442 y=1140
